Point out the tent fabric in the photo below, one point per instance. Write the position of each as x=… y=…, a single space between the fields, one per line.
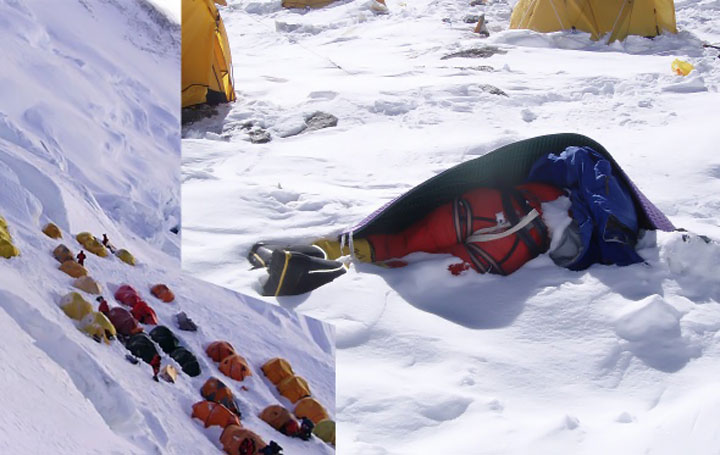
x=91 y=244
x=125 y=256
x=305 y=3
x=87 y=284
x=235 y=367
x=276 y=416
x=75 y=306
x=124 y=321
x=163 y=293
x=235 y=437
x=127 y=295
x=504 y=167
x=312 y=409
x=144 y=314
x=294 y=388
x=52 y=231
x=73 y=269
x=219 y=350
x=169 y=373
x=185 y=323
x=615 y=18
x=218 y=392
x=7 y=248
x=98 y=326
x=277 y=370
x=187 y=360
x=61 y=253
x=210 y=414
x=164 y=337
x=140 y=345
x=206 y=58
x=325 y=431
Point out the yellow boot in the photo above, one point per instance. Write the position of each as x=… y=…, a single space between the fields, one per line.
x=363 y=249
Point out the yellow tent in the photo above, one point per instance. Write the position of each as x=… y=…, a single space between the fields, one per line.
x=206 y=61
x=294 y=388
x=98 y=326
x=277 y=370
x=7 y=249
x=618 y=18
x=75 y=307
x=91 y=244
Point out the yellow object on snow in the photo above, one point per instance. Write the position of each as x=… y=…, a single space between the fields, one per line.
x=125 y=256
x=362 y=249
x=206 y=58
x=7 y=248
x=98 y=326
x=617 y=18
x=681 y=67
x=52 y=231
x=75 y=307
x=91 y=244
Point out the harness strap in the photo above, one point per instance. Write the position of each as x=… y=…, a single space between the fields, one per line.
x=480 y=236
x=512 y=215
x=476 y=252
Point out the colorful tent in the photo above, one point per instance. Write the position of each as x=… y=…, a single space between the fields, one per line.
x=143 y=313
x=52 y=231
x=125 y=256
x=127 y=295
x=294 y=388
x=7 y=248
x=62 y=253
x=187 y=360
x=165 y=338
x=91 y=244
x=169 y=373
x=276 y=416
x=87 y=284
x=325 y=430
x=277 y=370
x=312 y=409
x=235 y=367
x=75 y=307
x=140 y=345
x=615 y=18
x=219 y=350
x=73 y=269
x=98 y=326
x=211 y=414
x=206 y=60
x=163 y=293
x=124 y=322
x=235 y=438
x=216 y=391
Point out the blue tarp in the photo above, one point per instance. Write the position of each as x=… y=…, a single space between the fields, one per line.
x=605 y=221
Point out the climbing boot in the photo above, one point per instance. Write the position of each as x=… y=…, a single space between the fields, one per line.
x=293 y=273
x=362 y=248
x=261 y=253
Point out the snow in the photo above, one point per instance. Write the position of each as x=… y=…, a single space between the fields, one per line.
x=608 y=360
x=89 y=139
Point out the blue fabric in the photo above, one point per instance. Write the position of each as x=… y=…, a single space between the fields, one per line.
x=601 y=205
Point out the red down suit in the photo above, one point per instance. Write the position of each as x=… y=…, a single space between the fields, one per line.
x=493 y=230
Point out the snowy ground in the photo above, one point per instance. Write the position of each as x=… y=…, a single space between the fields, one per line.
x=89 y=126
x=609 y=360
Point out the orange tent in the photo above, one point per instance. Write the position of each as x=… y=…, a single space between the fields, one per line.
x=277 y=370
x=73 y=269
x=294 y=388
x=62 y=253
x=216 y=391
x=163 y=293
x=218 y=350
x=214 y=414
x=312 y=409
x=234 y=436
x=235 y=367
x=276 y=416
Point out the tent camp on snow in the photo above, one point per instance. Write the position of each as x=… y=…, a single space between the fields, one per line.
x=609 y=215
x=206 y=58
x=615 y=18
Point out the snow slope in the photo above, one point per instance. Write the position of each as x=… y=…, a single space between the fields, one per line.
x=609 y=360
x=89 y=127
